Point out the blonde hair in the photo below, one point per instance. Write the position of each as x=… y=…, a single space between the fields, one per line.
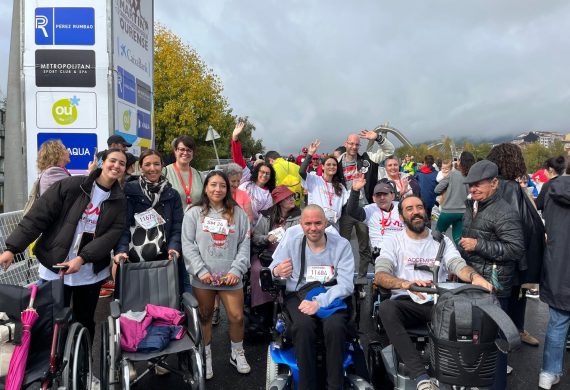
x=50 y=154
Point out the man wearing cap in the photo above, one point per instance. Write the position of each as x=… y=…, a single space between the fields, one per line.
x=395 y=270
x=492 y=239
x=300 y=158
x=381 y=217
x=351 y=162
x=329 y=260
x=113 y=142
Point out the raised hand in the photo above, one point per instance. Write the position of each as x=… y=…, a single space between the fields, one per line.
x=313 y=147
x=368 y=134
x=237 y=130
x=358 y=181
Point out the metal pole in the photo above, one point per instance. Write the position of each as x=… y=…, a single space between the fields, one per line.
x=15 y=182
x=216 y=150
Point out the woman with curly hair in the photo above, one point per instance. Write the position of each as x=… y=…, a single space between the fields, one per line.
x=328 y=190
x=453 y=206
x=257 y=183
x=510 y=160
x=216 y=248
x=51 y=162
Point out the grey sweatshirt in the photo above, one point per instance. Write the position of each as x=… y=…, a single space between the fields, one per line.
x=215 y=253
x=456 y=192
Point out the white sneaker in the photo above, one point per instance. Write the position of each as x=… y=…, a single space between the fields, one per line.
x=546 y=380
x=238 y=361
x=95 y=383
x=209 y=371
x=424 y=385
x=509 y=370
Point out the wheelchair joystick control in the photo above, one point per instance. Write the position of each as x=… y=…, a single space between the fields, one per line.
x=280 y=325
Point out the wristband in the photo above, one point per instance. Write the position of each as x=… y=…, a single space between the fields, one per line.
x=472 y=274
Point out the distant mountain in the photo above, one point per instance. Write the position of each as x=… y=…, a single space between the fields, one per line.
x=462 y=140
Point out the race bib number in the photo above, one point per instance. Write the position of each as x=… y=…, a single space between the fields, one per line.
x=216 y=226
x=320 y=273
x=278 y=233
x=330 y=215
x=149 y=219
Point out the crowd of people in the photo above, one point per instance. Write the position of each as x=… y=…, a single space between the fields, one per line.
x=296 y=215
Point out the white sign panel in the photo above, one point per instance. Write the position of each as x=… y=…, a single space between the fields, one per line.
x=133 y=71
x=66 y=64
x=64 y=110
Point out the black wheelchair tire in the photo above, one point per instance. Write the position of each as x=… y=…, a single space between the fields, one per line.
x=104 y=357
x=77 y=357
x=378 y=375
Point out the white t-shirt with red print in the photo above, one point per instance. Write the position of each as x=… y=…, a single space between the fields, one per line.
x=323 y=194
x=86 y=225
x=382 y=224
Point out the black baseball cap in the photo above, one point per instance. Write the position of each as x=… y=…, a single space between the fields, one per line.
x=117 y=139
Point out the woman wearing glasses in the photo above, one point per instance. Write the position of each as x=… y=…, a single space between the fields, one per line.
x=188 y=182
x=257 y=183
x=328 y=190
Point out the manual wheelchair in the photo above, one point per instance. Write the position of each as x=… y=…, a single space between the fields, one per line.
x=282 y=369
x=154 y=282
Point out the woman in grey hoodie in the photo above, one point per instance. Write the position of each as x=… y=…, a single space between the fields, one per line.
x=216 y=248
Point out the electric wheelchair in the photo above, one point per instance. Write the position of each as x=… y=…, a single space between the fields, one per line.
x=282 y=369
x=154 y=282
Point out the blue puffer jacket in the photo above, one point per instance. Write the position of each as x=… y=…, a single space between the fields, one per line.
x=427 y=178
x=169 y=207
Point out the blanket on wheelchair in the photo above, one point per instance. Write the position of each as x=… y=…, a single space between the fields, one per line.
x=151 y=330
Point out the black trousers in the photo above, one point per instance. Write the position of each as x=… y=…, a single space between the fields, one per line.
x=83 y=300
x=304 y=333
x=396 y=316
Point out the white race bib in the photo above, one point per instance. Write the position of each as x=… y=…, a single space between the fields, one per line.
x=319 y=273
x=330 y=215
x=278 y=233
x=149 y=219
x=216 y=225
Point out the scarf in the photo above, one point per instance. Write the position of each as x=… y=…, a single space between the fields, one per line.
x=153 y=190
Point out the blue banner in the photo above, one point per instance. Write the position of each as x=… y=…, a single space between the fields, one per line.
x=81 y=147
x=65 y=26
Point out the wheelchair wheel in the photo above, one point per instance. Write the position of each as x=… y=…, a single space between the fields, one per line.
x=378 y=374
x=274 y=371
x=197 y=363
x=104 y=357
x=77 y=372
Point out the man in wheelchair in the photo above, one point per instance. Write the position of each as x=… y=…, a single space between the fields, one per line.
x=324 y=264
x=397 y=270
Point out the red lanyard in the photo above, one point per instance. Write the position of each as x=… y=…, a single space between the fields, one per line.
x=384 y=220
x=329 y=194
x=188 y=189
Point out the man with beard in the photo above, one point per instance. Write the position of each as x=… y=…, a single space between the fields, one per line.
x=395 y=271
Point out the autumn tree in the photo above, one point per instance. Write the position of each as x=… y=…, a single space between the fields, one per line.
x=188 y=99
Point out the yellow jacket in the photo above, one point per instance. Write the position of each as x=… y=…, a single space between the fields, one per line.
x=287 y=174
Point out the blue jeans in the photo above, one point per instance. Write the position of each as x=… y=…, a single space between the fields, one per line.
x=555 y=341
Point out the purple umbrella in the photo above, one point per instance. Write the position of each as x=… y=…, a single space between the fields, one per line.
x=17 y=368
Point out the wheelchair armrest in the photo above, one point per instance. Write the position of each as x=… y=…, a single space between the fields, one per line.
x=63 y=316
x=115 y=309
x=266 y=280
x=189 y=300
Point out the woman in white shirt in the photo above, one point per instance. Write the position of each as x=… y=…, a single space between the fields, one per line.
x=328 y=190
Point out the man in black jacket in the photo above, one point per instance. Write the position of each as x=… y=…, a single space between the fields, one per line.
x=492 y=240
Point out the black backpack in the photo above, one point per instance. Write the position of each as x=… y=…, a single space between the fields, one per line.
x=466 y=329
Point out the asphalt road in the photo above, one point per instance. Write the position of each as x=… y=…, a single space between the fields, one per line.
x=526 y=361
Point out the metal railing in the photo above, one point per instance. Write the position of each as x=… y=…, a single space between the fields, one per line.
x=24 y=269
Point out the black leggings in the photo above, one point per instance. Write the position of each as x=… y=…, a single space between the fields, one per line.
x=83 y=300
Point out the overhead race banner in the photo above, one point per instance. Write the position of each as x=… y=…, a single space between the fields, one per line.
x=66 y=66
x=133 y=71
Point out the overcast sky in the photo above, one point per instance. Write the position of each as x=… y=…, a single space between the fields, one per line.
x=307 y=68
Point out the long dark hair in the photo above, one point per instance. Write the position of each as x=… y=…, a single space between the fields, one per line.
x=466 y=161
x=338 y=178
x=229 y=202
x=255 y=173
x=150 y=152
x=275 y=214
x=509 y=159
x=558 y=164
